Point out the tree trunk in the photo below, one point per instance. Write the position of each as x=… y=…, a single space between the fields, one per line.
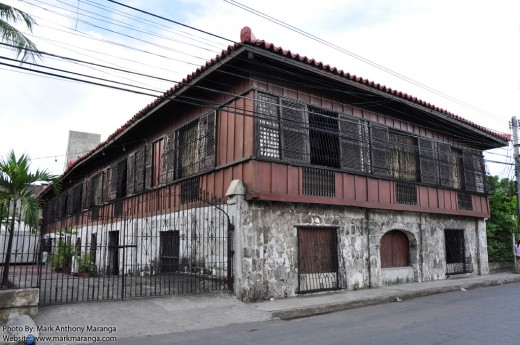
x=7 y=261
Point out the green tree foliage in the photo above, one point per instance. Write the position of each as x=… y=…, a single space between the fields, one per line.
x=500 y=226
x=9 y=16
x=17 y=200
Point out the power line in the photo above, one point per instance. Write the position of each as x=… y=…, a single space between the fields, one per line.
x=172 y=21
x=359 y=57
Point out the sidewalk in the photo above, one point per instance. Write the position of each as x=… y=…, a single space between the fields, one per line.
x=152 y=316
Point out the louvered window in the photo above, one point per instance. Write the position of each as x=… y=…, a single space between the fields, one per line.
x=380 y=150
x=353 y=155
x=157 y=161
x=130 y=174
x=428 y=163
x=445 y=165
x=140 y=168
x=190 y=149
x=474 y=173
x=77 y=193
x=295 y=131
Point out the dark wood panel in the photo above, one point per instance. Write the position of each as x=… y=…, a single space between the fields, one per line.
x=222 y=138
x=349 y=186
x=316 y=250
x=293 y=180
x=385 y=191
x=394 y=250
x=230 y=146
x=424 y=197
x=249 y=136
x=239 y=129
x=373 y=190
x=361 y=188
x=279 y=179
x=433 y=197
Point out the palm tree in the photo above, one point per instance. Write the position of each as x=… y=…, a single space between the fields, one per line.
x=17 y=199
x=13 y=37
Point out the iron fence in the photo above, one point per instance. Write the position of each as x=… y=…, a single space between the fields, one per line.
x=147 y=245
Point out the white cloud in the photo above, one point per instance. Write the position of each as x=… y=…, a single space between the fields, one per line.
x=466 y=49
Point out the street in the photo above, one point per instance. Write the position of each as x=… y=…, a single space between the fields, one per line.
x=480 y=316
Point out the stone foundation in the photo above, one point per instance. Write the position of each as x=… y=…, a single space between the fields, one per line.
x=266 y=245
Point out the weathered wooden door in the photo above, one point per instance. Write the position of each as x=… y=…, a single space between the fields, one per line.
x=113 y=252
x=394 y=249
x=318 y=259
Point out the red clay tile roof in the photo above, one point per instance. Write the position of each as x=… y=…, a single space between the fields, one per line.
x=247 y=37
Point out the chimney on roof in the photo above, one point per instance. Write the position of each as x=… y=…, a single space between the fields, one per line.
x=246 y=35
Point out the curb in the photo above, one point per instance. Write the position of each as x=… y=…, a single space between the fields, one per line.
x=320 y=309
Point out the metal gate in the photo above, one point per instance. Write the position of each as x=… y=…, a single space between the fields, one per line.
x=317 y=259
x=158 y=244
x=456 y=260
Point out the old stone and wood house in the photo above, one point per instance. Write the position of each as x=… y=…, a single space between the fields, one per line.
x=273 y=175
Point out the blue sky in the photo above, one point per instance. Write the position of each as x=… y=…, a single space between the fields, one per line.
x=467 y=50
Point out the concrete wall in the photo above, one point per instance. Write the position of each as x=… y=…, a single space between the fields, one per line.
x=266 y=246
x=79 y=144
x=18 y=301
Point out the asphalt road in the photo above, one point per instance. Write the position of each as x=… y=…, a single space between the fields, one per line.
x=480 y=316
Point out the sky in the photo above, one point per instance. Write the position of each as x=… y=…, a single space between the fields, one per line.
x=462 y=56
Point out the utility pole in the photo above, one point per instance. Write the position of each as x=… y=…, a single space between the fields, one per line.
x=516 y=158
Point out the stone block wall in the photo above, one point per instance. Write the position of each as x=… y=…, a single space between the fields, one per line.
x=266 y=245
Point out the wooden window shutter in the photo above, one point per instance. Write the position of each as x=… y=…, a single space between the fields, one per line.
x=112 y=186
x=427 y=162
x=107 y=177
x=168 y=158
x=86 y=194
x=70 y=201
x=188 y=150
x=474 y=172
x=98 y=189
x=295 y=132
x=148 y=159
x=480 y=174
x=469 y=172
x=380 y=150
x=121 y=178
x=140 y=169
x=351 y=147
x=130 y=174
x=206 y=142
x=445 y=166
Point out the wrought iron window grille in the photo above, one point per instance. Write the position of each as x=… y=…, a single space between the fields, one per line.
x=318 y=182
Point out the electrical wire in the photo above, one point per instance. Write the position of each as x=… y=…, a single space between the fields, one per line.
x=366 y=102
